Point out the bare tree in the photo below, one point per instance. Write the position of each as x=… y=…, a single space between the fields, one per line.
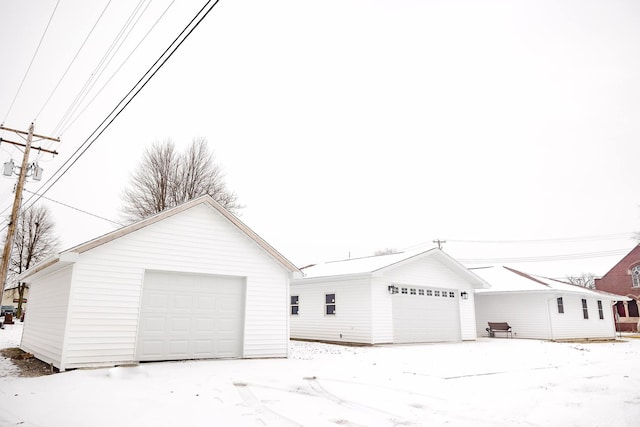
x=34 y=241
x=165 y=179
x=385 y=251
x=586 y=280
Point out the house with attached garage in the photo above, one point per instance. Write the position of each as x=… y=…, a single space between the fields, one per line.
x=192 y=282
x=406 y=297
x=543 y=308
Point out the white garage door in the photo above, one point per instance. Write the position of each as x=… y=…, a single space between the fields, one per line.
x=425 y=315
x=189 y=316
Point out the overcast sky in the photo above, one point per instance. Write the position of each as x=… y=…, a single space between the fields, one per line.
x=349 y=126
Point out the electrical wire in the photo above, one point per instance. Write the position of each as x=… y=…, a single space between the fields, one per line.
x=77 y=209
x=74 y=59
x=81 y=95
x=546 y=258
x=118 y=69
x=126 y=100
x=31 y=63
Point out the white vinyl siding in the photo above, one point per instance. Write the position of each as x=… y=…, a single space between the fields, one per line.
x=572 y=323
x=352 y=321
x=527 y=314
x=381 y=311
x=107 y=285
x=535 y=315
x=43 y=331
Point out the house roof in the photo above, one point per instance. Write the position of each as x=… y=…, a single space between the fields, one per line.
x=380 y=263
x=70 y=254
x=508 y=280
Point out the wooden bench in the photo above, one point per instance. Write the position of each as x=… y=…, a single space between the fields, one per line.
x=499 y=327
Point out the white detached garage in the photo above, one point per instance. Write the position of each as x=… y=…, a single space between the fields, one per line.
x=419 y=296
x=193 y=282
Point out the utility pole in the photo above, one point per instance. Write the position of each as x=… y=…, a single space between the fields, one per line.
x=439 y=242
x=17 y=201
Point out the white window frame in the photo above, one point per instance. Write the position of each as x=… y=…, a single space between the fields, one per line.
x=328 y=304
x=295 y=305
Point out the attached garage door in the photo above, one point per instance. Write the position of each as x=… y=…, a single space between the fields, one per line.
x=425 y=315
x=189 y=316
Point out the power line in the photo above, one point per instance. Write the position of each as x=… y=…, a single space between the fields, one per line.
x=76 y=209
x=74 y=58
x=546 y=258
x=31 y=63
x=133 y=92
x=98 y=70
x=88 y=104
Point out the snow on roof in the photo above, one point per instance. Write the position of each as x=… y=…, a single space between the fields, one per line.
x=505 y=279
x=359 y=265
x=375 y=263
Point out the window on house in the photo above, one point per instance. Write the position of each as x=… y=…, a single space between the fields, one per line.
x=452 y=294
x=403 y=290
x=560 y=305
x=600 y=311
x=429 y=292
x=294 y=305
x=436 y=293
x=635 y=277
x=420 y=291
x=412 y=291
x=330 y=304
x=585 y=310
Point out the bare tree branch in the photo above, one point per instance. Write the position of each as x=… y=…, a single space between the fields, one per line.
x=165 y=179
x=586 y=280
x=34 y=241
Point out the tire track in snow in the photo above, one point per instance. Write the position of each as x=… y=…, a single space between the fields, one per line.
x=262 y=411
x=322 y=392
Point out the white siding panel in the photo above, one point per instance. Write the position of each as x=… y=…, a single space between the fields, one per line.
x=572 y=324
x=526 y=314
x=427 y=272
x=108 y=279
x=352 y=321
x=44 y=326
x=468 y=316
x=381 y=312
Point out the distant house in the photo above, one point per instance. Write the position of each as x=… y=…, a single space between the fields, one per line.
x=192 y=282
x=542 y=308
x=624 y=279
x=406 y=297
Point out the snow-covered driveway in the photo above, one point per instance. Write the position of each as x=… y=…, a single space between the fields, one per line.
x=491 y=382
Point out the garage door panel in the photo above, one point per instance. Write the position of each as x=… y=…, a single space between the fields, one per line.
x=187 y=316
x=424 y=317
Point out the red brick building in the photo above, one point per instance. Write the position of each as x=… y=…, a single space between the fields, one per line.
x=624 y=279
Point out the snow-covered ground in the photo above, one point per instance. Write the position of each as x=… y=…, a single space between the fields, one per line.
x=491 y=382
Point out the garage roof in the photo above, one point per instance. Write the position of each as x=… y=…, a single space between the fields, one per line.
x=380 y=263
x=505 y=279
x=69 y=255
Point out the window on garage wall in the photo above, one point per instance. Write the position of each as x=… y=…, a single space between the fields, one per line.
x=600 y=311
x=294 y=305
x=560 y=305
x=585 y=309
x=330 y=304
